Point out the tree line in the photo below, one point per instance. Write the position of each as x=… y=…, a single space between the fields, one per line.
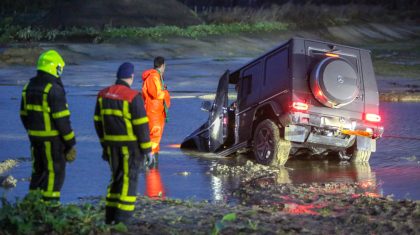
x=391 y=4
x=33 y=6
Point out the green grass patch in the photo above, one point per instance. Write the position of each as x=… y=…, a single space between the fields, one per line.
x=10 y=33
x=32 y=215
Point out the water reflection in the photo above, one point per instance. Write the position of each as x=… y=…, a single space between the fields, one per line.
x=296 y=172
x=154 y=184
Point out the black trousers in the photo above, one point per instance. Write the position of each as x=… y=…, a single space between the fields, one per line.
x=122 y=191
x=48 y=168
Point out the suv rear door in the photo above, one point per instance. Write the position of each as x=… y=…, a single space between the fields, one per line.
x=217 y=122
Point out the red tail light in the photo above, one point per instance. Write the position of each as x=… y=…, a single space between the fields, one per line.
x=372 y=117
x=300 y=106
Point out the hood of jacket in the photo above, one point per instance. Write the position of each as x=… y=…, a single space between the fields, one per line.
x=148 y=73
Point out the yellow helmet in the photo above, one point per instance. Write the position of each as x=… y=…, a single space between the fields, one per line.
x=51 y=62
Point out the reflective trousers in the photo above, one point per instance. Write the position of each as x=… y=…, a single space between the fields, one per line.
x=156 y=125
x=122 y=191
x=48 y=168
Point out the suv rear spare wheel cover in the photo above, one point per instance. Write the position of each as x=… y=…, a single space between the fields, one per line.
x=334 y=82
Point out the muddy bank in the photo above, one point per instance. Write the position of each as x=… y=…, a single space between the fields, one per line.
x=267 y=205
x=215 y=46
x=309 y=209
x=400 y=96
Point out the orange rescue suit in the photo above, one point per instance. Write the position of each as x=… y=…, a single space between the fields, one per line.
x=156 y=101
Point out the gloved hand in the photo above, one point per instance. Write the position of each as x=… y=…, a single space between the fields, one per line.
x=71 y=154
x=150 y=159
x=105 y=156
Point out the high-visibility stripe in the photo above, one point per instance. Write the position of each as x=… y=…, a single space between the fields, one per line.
x=121 y=198
x=128 y=198
x=50 y=165
x=37 y=108
x=24 y=112
x=45 y=193
x=125 y=114
x=43 y=133
x=69 y=136
x=47 y=121
x=113 y=195
x=140 y=121
x=25 y=87
x=119 y=138
x=51 y=194
x=127 y=119
x=120 y=206
x=61 y=114
x=126 y=156
x=146 y=145
x=97 y=118
x=126 y=110
x=114 y=112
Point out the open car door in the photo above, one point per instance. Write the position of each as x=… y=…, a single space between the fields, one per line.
x=218 y=117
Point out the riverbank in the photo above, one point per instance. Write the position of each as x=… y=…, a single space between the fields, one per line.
x=266 y=205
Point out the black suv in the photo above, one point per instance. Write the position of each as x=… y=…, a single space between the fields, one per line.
x=302 y=97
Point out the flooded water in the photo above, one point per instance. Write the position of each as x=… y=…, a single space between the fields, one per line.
x=394 y=168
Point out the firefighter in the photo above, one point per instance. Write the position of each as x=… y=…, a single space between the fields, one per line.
x=45 y=115
x=157 y=101
x=122 y=127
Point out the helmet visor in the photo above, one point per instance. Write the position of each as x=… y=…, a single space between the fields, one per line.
x=59 y=70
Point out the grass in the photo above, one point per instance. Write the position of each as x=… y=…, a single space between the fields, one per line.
x=305 y=15
x=32 y=215
x=11 y=33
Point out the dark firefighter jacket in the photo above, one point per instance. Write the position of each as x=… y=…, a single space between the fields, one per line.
x=120 y=118
x=44 y=111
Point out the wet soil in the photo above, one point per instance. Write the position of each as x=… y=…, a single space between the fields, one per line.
x=269 y=206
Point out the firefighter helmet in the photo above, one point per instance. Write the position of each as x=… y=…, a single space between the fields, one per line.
x=51 y=62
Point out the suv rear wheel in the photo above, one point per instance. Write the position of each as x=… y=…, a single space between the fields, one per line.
x=269 y=147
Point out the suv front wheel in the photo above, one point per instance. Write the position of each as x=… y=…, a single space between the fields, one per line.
x=269 y=147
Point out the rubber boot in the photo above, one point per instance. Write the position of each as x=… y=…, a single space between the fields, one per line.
x=123 y=216
x=110 y=214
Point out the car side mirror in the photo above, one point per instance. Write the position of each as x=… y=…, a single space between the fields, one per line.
x=206 y=106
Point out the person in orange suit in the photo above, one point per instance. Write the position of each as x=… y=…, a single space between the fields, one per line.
x=156 y=100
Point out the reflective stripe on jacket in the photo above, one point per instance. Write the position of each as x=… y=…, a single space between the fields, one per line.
x=44 y=110
x=120 y=118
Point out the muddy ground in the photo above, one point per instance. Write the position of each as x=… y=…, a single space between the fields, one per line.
x=268 y=205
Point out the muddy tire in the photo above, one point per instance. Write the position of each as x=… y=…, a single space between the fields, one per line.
x=269 y=147
x=361 y=156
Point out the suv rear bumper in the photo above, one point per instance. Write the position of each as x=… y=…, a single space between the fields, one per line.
x=329 y=131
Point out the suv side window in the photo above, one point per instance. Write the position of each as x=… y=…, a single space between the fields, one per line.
x=247 y=85
x=250 y=83
x=276 y=73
